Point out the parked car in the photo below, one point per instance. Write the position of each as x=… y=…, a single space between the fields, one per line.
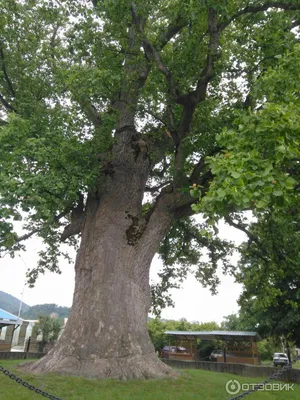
x=219 y=353
x=166 y=350
x=173 y=349
x=280 y=359
x=215 y=354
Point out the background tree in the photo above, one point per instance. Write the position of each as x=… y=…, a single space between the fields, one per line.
x=267 y=348
x=110 y=115
x=49 y=328
x=234 y=322
x=271 y=294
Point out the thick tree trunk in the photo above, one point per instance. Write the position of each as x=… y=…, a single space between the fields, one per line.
x=106 y=334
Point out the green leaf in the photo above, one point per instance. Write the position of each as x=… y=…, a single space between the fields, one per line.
x=195 y=208
x=290 y=183
x=235 y=174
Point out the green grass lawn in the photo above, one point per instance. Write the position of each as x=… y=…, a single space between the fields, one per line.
x=297 y=365
x=191 y=384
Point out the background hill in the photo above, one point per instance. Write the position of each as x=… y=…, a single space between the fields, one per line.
x=11 y=304
x=46 y=309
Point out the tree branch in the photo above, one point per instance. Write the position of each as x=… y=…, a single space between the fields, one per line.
x=295 y=24
x=157 y=188
x=194 y=97
x=154 y=115
x=77 y=220
x=261 y=251
x=167 y=121
x=74 y=228
x=36 y=230
x=27 y=235
x=171 y=30
x=257 y=9
x=53 y=39
x=243 y=229
x=6 y=104
x=198 y=169
x=8 y=81
x=161 y=174
x=212 y=54
x=190 y=100
x=91 y=112
x=152 y=54
x=200 y=176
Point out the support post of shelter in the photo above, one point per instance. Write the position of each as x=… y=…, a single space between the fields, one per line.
x=22 y=334
x=224 y=354
x=28 y=344
x=9 y=334
x=289 y=354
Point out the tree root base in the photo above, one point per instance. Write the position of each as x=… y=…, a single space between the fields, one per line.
x=135 y=367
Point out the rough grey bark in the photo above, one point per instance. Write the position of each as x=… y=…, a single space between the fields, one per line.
x=106 y=334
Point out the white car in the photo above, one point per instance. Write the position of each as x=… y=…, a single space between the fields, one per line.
x=280 y=359
x=215 y=354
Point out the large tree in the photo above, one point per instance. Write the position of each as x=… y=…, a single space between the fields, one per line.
x=270 y=274
x=109 y=114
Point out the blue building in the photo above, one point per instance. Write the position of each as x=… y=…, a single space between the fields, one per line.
x=9 y=323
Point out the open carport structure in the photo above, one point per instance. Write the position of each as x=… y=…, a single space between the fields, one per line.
x=234 y=346
x=11 y=323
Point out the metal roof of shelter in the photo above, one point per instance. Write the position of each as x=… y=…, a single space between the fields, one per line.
x=7 y=318
x=215 y=335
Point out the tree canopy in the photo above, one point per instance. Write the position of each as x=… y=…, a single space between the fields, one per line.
x=190 y=106
x=260 y=167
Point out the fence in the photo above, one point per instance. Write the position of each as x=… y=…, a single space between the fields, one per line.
x=19 y=355
x=29 y=348
x=250 y=371
x=33 y=345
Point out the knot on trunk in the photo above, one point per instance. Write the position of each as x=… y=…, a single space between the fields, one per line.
x=135 y=230
x=140 y=147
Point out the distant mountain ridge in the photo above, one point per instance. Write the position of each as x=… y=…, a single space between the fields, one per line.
x=11 y=304
x=46 y=309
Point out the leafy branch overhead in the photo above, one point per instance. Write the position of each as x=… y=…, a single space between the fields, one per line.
x=181 y=91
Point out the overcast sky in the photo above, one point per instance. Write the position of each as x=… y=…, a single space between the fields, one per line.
x=192 y=302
